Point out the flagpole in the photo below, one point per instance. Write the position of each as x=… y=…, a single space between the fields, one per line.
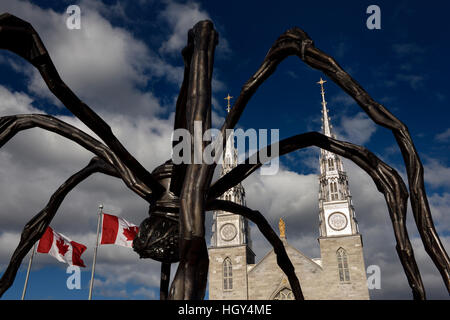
x=91 y=285
x=28 y=272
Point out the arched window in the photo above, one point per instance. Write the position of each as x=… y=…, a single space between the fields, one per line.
x=330 y=164
x=344 y=274
x=334 y=191
x=227 y=275
x=284 y=294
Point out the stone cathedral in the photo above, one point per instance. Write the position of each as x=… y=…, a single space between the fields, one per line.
x=339 y=273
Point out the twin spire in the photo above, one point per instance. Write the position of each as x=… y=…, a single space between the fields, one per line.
x=325 y=120
x=326 y=129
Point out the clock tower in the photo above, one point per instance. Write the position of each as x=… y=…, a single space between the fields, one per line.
x=230 y=250
x=340 y=242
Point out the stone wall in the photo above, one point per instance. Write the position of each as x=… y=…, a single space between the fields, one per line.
x=238 y=256
x=356 y=288
x=265 y=279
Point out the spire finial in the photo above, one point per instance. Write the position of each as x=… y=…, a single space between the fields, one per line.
x=321 y=82
x=282 y=227
x=228 y=97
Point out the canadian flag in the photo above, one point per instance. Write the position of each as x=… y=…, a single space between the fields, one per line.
x=61 y=247
x=118 y=231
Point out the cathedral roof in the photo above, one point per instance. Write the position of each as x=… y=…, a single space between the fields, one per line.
x=294 y=255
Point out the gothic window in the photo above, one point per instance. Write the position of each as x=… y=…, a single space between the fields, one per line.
x=344 y=274
x=284 y=294
x=330 y=164
x=227 y=275
x=334 y=191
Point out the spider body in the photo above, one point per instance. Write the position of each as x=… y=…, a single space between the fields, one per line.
x=158 y=234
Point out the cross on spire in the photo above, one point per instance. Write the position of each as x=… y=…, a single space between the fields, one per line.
x=228 y=106
x=321 y=82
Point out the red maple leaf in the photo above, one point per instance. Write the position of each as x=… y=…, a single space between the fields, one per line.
x=62 y=247
x=130 y=233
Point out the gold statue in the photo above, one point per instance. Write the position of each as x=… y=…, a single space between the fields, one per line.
x=282 y=227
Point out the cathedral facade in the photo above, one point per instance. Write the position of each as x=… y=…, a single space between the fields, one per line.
x=340 y=271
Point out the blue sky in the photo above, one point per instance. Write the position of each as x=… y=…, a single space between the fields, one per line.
x=125 y=63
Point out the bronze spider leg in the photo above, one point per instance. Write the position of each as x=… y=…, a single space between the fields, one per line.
x=264 y=227
x=36 y=227
x=191 y=276
x=11 y=125
x=387 y=180
x=19 y=36
x=180 y=116
x=165 y=279
x=297 y=42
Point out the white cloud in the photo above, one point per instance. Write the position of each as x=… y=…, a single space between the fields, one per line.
x=8 y=240
x=149 y=294
x=404 y=49
x=436 y=174
x=443 y=136
x=284 y=195
x=105 y=65
x=357 y=129
x=439 y=206
x=415 y=81
x=342 y=98
x=181 y=18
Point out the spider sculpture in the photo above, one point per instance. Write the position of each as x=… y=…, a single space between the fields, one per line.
x=180 y=194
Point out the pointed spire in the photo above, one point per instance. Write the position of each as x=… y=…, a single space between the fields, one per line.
x=325 y=119
x=230 y=154
x=333 y=182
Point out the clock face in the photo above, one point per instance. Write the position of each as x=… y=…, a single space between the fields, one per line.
x=337 y=221
x=228 y=232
